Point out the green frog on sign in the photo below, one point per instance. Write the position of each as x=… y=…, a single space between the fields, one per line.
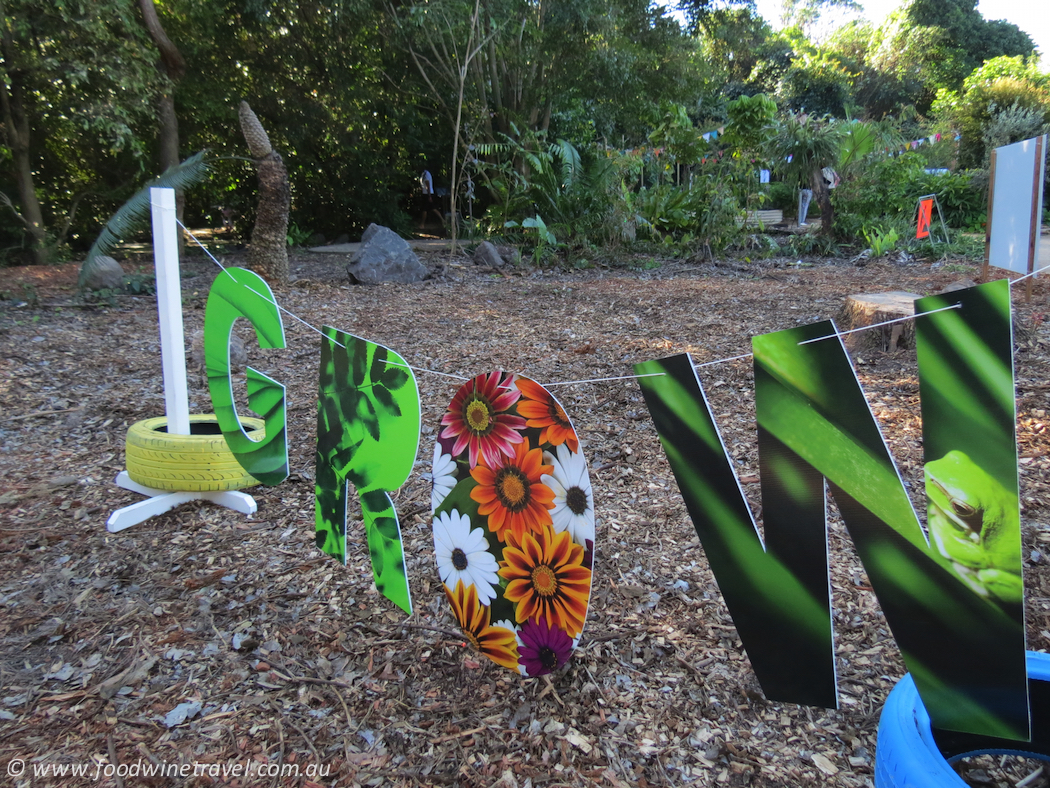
x=975 y=524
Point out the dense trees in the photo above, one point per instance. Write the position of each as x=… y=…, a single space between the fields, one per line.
x=75 y=78
x=359 y=95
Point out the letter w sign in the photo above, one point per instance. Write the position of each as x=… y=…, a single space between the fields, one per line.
x=954 y=600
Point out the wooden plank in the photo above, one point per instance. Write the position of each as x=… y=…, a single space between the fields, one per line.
x=1035 y=226
x=988 y=227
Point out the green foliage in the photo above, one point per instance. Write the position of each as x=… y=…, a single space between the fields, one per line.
x=881 y=240
x=545 y=240
x=676 y=133
x=813 y=244
x=811 y=144
x=1014 y=124
x=817 y=82
x=78 y=83
x=667 y=208
x=884 y=190
x=750 y=121
x=781 y=196
x=298 y=236
x=942 y=41
x=571 y=191
x=1009 y=85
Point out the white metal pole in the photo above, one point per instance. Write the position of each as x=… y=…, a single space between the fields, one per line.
x=169 y=308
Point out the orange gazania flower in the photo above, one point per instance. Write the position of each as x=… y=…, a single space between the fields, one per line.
x=497 y=643
x=540 y=409
x=511 y=493
x=547 y=580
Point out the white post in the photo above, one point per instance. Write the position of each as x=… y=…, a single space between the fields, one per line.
x=173 y=360
x=169 y=307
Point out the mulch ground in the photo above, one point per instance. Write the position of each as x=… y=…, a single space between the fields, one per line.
x=211 y=638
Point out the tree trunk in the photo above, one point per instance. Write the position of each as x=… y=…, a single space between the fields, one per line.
x=172 y=65
x=268 y=252
x=823 y=198
x=16 y=123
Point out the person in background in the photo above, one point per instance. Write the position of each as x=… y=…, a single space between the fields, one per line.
x=426 y=184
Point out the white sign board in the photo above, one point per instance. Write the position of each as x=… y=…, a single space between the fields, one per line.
x=1016 y=206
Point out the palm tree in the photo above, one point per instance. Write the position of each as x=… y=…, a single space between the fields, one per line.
x=801 y=148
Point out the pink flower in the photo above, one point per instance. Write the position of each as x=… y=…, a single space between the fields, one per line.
x=477 y=419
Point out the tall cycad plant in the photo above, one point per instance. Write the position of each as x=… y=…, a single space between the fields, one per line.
x=268 y=253
x=801 y=148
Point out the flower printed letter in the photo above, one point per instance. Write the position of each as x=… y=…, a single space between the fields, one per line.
x=513 y=522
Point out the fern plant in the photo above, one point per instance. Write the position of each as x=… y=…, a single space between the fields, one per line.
x=134 y=214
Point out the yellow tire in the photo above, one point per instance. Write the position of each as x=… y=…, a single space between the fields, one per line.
x=199 y=462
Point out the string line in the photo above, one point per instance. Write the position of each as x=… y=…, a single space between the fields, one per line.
x=588 y=380
x=603 y=380
x=1022 y=278
x=296 y=317
x=883 y=323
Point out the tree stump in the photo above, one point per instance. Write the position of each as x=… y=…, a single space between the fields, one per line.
x=872 y=308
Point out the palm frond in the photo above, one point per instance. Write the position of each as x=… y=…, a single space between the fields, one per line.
x=570 y=161
x=133 y=214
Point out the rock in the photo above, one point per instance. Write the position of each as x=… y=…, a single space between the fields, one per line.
x=384 y=257
x=103 y=273
x=511 y=254
x=488 y=255
x=961 y=284
x=238 y=355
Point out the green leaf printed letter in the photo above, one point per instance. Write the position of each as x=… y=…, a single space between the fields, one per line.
x=368 y=420
x=240 y=293
x=959 y=596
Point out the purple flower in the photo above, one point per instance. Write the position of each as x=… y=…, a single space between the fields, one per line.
x=543 y=648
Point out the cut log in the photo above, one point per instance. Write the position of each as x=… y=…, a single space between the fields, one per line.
x=869 y=309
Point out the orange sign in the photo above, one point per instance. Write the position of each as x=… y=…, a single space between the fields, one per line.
x=925 y=215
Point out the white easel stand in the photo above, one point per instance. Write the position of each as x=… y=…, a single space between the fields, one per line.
x=173 y=361
x=161 y=501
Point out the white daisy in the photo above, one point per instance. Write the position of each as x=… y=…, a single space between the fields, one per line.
x=573 y=500
x=463 y=554
x=443 y=477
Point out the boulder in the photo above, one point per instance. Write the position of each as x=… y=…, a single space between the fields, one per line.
x=511 y=254
x=959 y=284
x=488 y=255
x=370 y=231
x=238 y=353
x=384 y=256
x=103 y=273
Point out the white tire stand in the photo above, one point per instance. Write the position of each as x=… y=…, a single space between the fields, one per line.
x=173 y=361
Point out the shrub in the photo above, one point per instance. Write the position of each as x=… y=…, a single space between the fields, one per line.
x=886 y=190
